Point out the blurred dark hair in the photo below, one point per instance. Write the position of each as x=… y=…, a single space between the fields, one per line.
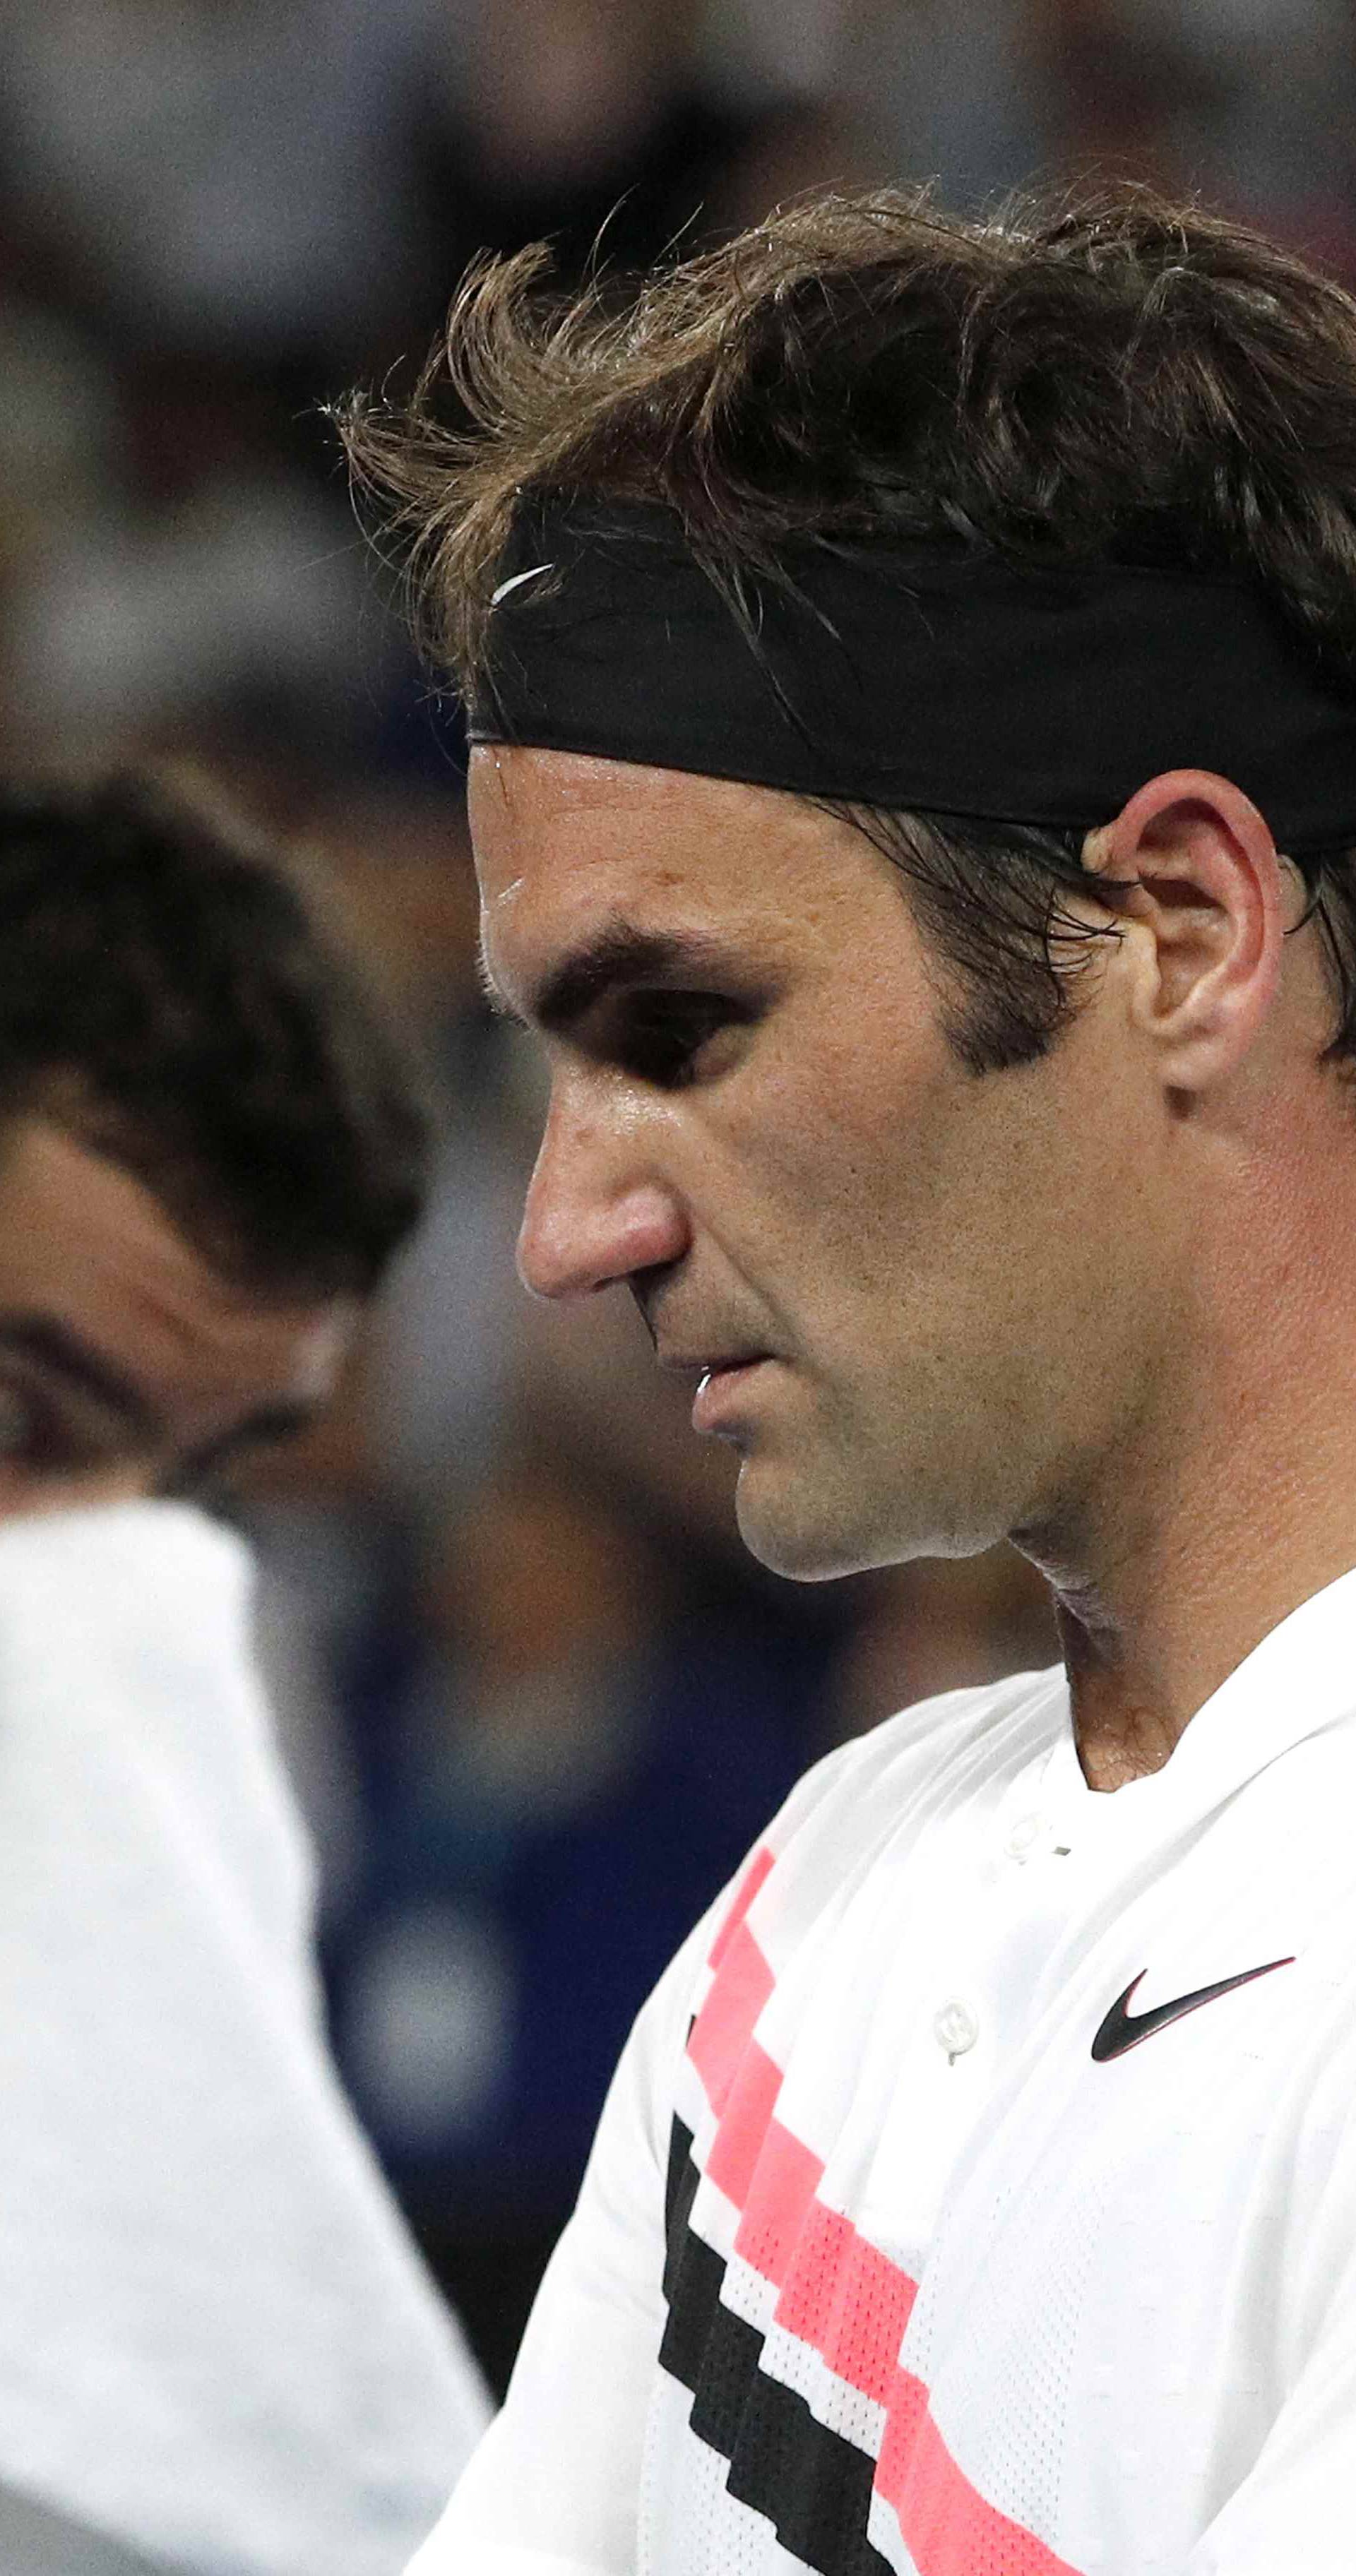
x=166 y=999
x=1121 y=379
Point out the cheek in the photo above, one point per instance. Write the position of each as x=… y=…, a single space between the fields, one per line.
x=837 y=1158
x=24 y=1496
x=943 y=1202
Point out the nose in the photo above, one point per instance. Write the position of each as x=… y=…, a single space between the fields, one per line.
x=594 y=1213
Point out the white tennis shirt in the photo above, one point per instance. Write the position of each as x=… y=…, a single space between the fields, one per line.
x=878 y=2267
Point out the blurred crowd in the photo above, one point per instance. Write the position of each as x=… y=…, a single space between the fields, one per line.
x=536 y=1700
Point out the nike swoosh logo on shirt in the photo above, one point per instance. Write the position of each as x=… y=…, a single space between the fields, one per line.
x=1122 y=2030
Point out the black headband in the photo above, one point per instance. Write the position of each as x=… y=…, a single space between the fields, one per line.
x=916 y=675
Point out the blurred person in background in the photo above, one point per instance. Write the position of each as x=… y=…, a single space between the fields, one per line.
x=911 y=672
x=617 y=127
x=1250 y=105
x=218 y=2350
x=212 y=215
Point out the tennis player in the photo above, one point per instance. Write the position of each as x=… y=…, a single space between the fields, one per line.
x=913 y=788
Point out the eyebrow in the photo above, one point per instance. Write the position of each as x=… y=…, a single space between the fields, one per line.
x=64 y=1354
x=618 y=955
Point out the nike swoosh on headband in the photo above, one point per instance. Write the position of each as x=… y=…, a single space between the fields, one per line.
x=515 y=582
x=1122 y=2029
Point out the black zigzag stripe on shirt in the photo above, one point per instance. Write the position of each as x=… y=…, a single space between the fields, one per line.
x=811 y=2484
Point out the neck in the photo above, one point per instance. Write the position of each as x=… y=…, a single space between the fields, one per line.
x=1228 y=1499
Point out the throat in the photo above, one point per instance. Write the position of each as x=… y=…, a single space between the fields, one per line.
x=1123 y=1728
x=1117 y=1747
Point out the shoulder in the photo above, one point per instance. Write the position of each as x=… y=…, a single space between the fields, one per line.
x=856 y=1810
x=864 y=1806
x=946 y=1748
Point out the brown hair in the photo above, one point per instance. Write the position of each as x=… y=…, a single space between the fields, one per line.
x=1121 y=379
x=168 y=998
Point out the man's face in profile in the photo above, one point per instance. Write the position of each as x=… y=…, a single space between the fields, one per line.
x=126 y=1361
x=920 y=1295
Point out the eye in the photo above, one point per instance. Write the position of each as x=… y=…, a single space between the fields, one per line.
x=661 y=1035
x=42 y=1434
x=33 y=1435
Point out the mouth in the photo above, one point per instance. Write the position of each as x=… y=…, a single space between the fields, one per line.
x=720 y=1387
x=719 y=1378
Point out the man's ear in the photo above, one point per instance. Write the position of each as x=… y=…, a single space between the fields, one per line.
x=1203 y=922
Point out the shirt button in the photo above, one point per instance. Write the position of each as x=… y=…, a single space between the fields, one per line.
x=955 y=2029
x=1026 y=1834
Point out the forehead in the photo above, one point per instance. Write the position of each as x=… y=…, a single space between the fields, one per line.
x=566 y=844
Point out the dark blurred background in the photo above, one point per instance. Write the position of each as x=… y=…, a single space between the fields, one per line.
x=536 y=1701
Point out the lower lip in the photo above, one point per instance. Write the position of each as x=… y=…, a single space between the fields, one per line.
x=719 y=1393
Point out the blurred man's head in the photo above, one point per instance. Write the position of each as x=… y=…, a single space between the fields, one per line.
x=1007 y=571
x=209 y=1147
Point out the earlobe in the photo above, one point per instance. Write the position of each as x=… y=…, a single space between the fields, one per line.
x=1203 y=901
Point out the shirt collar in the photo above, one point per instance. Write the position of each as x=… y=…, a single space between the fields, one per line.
x=1298 y=1681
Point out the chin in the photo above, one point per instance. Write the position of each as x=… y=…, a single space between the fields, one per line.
x=813 y=1535
x=787 y=1535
